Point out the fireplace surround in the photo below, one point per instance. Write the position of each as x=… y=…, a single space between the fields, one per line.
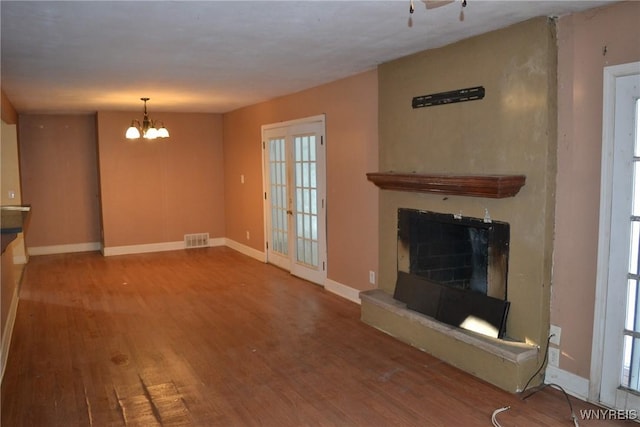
x=505 y=362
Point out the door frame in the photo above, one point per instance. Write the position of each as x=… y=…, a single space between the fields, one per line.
x=322 y=250
x=603 y=297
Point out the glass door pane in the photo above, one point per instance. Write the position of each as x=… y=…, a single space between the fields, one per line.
x=279 y=198
x=306 y=199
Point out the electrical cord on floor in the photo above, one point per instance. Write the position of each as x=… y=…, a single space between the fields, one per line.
x=552 y=385
x=566 y=396
x=537 y=389
x=494 y=419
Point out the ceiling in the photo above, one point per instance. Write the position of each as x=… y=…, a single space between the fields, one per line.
x=217 y=56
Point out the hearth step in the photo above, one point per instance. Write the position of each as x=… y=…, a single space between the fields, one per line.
x=504 y=363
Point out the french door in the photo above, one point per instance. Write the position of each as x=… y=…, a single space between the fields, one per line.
x=616 y=346
x=294 y=194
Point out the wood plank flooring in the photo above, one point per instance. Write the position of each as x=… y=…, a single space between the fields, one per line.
x=210 y=337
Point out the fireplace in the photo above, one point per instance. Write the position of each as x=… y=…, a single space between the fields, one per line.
x=445 y=291
x=454 y=269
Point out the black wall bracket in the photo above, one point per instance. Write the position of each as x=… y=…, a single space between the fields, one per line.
x=460 y=95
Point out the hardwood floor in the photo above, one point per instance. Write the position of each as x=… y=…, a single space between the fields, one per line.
x=209 y=337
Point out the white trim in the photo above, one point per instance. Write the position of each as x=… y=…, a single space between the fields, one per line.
x=246 y=250
x=344 y=291
x=19 y=259
x=320 y=118
x=217 y=241
x=573 y=384
x=610 y=74
x=265 y=214
x=8 y=331
x=626 y=400
x=155 y=247
x=135 y=249
x=64 y=249
x=141 y=249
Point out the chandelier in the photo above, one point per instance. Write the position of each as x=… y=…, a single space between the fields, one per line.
x=149 y=129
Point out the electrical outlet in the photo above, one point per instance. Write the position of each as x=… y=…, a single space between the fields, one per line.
x=554 y=357
x=241 y=179
x=12 y=194
x=248 y=235
x=372 y=277
x=556 y=331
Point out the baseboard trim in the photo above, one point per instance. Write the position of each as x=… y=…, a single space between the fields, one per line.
x=217 y=241
x=246 y=250
x=154 y=247
x=134 y=249
x=573 y=384
x=7 y=333
x=64 y=249
x=19 y=259
x=344 y=291
x=142 y=249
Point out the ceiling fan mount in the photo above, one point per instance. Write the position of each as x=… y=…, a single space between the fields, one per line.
x=434 y=4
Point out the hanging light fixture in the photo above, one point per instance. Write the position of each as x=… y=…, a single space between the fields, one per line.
x=148 y=129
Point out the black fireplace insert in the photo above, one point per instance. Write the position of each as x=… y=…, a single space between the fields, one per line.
x=454 y=268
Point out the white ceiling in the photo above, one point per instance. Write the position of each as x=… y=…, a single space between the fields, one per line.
x=216 y=56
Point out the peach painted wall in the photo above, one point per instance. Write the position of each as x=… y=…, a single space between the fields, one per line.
x=351 y=112
x=155 y=192
x=59 y=178
x=581 y=39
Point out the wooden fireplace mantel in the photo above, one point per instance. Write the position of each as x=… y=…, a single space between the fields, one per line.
x=492 y=186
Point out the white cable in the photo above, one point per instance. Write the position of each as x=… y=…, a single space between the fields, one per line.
x=494 y=420
x=575 y=420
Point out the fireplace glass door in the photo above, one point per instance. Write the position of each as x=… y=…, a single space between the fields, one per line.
x=294 y=197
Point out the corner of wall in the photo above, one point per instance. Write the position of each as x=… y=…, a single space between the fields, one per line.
x=9 y=114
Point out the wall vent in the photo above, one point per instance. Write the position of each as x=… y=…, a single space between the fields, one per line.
x=197 y=240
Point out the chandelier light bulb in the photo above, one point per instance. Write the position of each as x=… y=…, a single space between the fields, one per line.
x=163 y=132
x=151 y=133
x=132 y=132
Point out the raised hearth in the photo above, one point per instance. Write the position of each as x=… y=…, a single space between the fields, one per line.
x=512 y=362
